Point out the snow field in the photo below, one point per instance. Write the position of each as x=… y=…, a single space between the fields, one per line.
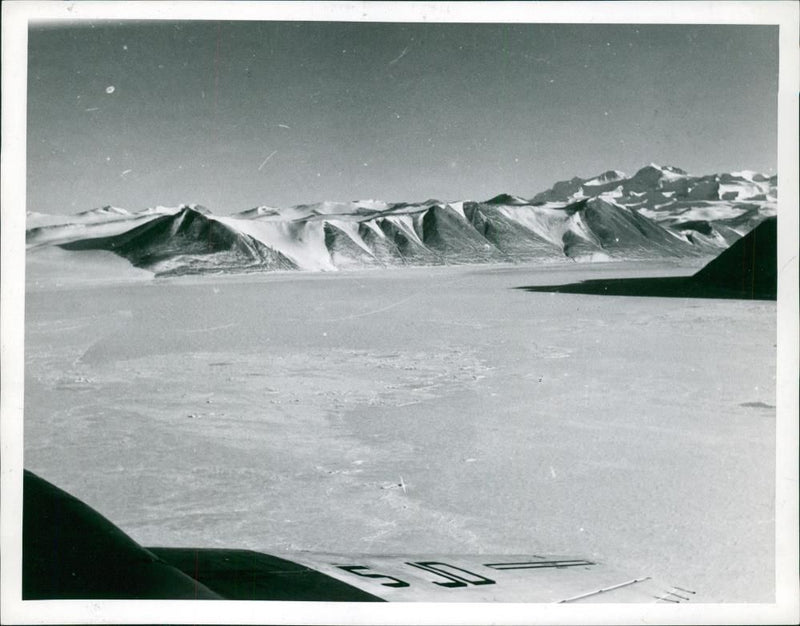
x=280 y=411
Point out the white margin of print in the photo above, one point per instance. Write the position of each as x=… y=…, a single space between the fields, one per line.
x=16 y=16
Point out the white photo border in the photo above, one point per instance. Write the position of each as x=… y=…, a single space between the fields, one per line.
x=16 y=16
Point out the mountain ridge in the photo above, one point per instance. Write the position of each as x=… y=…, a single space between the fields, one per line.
x=659 y=212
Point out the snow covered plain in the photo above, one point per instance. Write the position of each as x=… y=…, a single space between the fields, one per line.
x=282 y=411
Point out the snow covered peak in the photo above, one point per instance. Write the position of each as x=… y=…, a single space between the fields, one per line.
x=606 y=177
x=667 y=168
x=329 y=207
x=105 y=210
x=197 y=208
x=751 y=176
x=260 y=211
x=160 y=210
x=653 y=173
x=507 y=199
x=375 y=205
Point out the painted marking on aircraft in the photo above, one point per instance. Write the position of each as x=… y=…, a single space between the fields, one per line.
x=454 y=580
x=354 y=569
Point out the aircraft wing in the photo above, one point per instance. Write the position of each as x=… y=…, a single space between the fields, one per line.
x=245 y=574
x=70 y=551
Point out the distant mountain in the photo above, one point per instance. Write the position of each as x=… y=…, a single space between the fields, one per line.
x=44 y=230
x=714 y=209
x=107 y=210
x=508 y=200
x=187 y=242
x=659 y=212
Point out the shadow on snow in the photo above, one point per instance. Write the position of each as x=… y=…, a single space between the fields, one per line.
x=745 y=271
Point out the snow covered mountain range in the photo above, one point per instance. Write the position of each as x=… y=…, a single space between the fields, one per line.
x=661 y=211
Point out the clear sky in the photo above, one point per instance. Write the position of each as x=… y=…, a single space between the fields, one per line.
x=236 y=114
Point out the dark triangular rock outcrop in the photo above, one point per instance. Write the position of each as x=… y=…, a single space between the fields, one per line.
x=749 y=268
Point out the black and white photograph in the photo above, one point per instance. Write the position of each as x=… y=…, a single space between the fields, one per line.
x=400 y=312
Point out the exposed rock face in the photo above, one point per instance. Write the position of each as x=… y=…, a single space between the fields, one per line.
x=661 y=211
